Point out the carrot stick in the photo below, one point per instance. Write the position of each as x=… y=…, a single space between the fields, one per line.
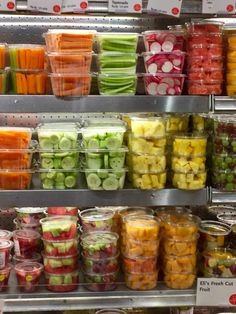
x=28 y=58
x=31 y=83
x=19 y=89
x=17 y=54
x=24 y=84
x=22 y=58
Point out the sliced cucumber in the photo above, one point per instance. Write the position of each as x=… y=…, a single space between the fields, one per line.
x=93 y=143
x=106 y=161
x=116 y=163
x=70 y=181
x=46 y=144
x=93 y=181
x=113 y=142
x=65 y=143
x=60 y=177
x=110 y=184
x=103 y=174
x=68 y=163
x=47 y=163
x=57 y=163
x=93 y=163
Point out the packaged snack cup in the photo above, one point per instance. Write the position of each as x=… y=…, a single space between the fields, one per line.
x=36 y=257
x=179 y=247
x=4 y=276
x=60 y=247
x=100 y=266
x=28 y=275
x=133 y=248
x=190 y=145
x=100 y=282
x=97 y=219
x=179 y=264
x=141 y=281
x=139 y=264
x=62 y=282
x=26 y=242
x=29 y=215
x=60 y=264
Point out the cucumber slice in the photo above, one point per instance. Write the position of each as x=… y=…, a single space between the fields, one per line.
x=93 y=181
x=54 y=138
x=68 y=279
x=110 y=184
x=70 y=181
x=116 y=163
x=106 y=161
x=65 y=143
x=93 y=163
x=94 y=155
x=113 y=142
x=61 y=155
x=51 y=175
x=47 y=184
x=43 y=176
x=103 y=144
x=60 y=186
x=47 y=163
x=102 y=174
x=47 y=155
x=60 y=177
x=68 y=163
x=93 y=143
x=122 y=182
x=46 y=144
x=57 y=163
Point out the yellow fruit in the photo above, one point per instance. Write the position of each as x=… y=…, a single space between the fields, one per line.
x=149 y=181
x=190 y=146
x=177 y=123
x=148 y=127
x=189 y=181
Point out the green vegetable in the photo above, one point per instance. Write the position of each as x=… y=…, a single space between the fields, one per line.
x=117 y=84
x=104 y=161
x=107 y=180
x=117 y=64
x=59 y=180
x=126 y=43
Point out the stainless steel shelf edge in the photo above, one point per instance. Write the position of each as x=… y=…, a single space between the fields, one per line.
x=218 y=197
x=223 y=104
x=94 y=103
x=86 y=198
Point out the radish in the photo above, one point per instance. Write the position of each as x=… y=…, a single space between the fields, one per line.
x=170 y=91
x=162 y=88
x=167 y=46
x=152 y=68
x=177 y=82
x=171 y=38
x=167 y=67
x=177 y=90
x=155 y=47
x=152 y=88
x=177 y=70
x=177 y=62
x=169 y=81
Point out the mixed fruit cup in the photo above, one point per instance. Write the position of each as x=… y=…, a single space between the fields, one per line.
x=29 y=215
x=26 y=242
x=60 y=264
x=28 y=275
x=97 y=219
x=62 y=282
x=60 y=248
x=141 y=281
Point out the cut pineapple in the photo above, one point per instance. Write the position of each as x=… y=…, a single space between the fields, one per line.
x=148 y=127
x=190 y=146
x=189 y=181
x=149 y=181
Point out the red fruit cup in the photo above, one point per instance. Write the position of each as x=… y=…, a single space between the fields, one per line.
x=29 y=215
x=26 y=242
x=100 y=282
x=5 y=249
x=60 y=247
x=20 y=226
x=60 y=265
x=59 y=227
x=62 y=211
x=206 y=50
x=205 y=39
x=200 y=87
x=206 y=74
x=200 y=62
x=36 y=257
x=5 y=235
x=205 y=27
x=63 y=282
x=4 y=276
x=28 y=275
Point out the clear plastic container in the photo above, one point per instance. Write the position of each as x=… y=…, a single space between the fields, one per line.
x=27 y=226
x=60 y=264
x=69 y=40
x=27 y=57
x=117 y=42
x=117 y=63
x=28 y=275
x=179 y=247
x=205 y=74
x=225 y=145
x=4 y=78
x=15 y=179
x=3 y=55
x=134 y=248
x=177 y=122
x=179 y=264
x=188 y=164
x=147 y=146
x=16 y=158
x=208 y=27
x=59 y=179
x=205 y=39
x=202 y=122
x=148 y=127
x=202 y=87
x=100 y=266
x=192 y=180
x=141 y=281
x=29 y=215
x=148 y=180
x=179 y=280
x=4 y=277
x=59 y=228
x=190 y=145
x=224 y=180
x=164 y=84
x=15 y=137
x=60 y=248
x=5 y=249
x=209 y=51
x=100 y=282
x=135 y=211
x=117 y=84
x=36 y=257
x=5 y=234
x=26 y=242
x=146 y=163
x=62 y=211
x=224 y=125
x=110 y=311
x=201 y=62
x=227 y=218
x=139 y=264
x=99 y=245
x=59 y=159
x=62 y=282
x=97 y=219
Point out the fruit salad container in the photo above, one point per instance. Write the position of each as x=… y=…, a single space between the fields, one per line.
x=164 y=40
x=179 y=247
x=219 y=263
x=117 y=84
x=146 y=163
x=205 y=75
x=16 y=158
x=67 y=62
x=99 y=244
x=62 y=282
x=205 y=87
x=224 y=180
x=190 y=145
x=176 y=122
x=27 y=57
x=179 y=264
x=5 y=249
x=59 y=159
x=3 y=55
x=202 y=122
x=139 y=264
x=62 y=211
x=225 y=145
x=4 y=277
x=192 y=180
x=105 y=179
x=134 y=211
x=36 y=257
x=15 y=179
x=141 y=281
x=97 y=219
x=148 y=127
x=3 y=80
x=100 y=282
x=15 y=137
x=147 y=146
x=31 y=82
x=29 y=215
x=203 y=63
x=181 y=226
x=206 y=39
x=5 y=235
x=117 y=42
x=163 y=84
x=164 y=62
x=224 y=125
x=185 y=164
x=59 y=179
x=69 y=40
x=227 y=218
x=213 y=234
x=26 y=242
x=148 y=180
x=134 y=248
x=205 y=27
x=60 y=248
x=60 y=264
x=27 y=226
x=117 y=63
x=28 y=275
x=100 y=266
x=179 y=280
x=215 y=51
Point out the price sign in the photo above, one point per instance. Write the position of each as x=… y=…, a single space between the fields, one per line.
x=125 y=6
x=212 y=291
x=74 y=5
x=169 y=7
x=46 y=6
x=218 y=6
x=7 y=5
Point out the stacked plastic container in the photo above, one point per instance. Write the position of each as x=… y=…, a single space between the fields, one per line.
x=104 y=153
x=5 y=249
x=60 y=257
x=70 y=55
x=3 y=70
x=205 y=58
x=29 y=218
x=164 y=62
x=231 y=65
x=117 y=61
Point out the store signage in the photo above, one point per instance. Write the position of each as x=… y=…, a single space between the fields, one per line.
x=216 y=291
x=169 y=7
x=46 y=6
x=7 y=5
x=125 y=6
x=74 y=5
x=218 y=6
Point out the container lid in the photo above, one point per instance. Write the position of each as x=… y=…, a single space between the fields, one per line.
x=162 y=53
x=26 y=46
x=100 y=259
x=205 y=46
x=6 y=269
x=116 y=33
x=96 y=214
x=15 y=129
x=26 y=234
x=70 y=31
x=190 y=136
x=73 y=274
x=59 y=257
x=54 y=126
x=28 y=266
x=123 y=149
x=229 y=218
x=70 y=54
x=5 y=234
x=167 y=31
x=36 y=257
x=30 y=210
x=5 y=244
x=214 y=228
x=168 y=75
x=220 y=253
x=59 y=241
x=182 y=219
x=55 y=220
x=142 y=221
x=95 y=237
x=221 y=209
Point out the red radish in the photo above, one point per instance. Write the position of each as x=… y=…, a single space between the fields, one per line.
x=171 y=38
x=177 y=90
x=169 y=81
x=155 y=47
x=176 y=70
x=152 y=88
x=167 y=46
x=177 y=82
x=167 y=67
x=170 y=91
x=162 y=88
x=152 y=68
x=177 y=62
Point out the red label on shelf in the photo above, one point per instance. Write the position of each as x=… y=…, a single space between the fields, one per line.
x=169 y=7
x=74 y=5
x=7 y=5
x=47 y=6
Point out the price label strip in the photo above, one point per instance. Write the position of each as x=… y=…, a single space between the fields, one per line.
x=74 y=5
x=125 y=6
x=6 y=5
x=169 y=7
x=212 y=291
x=46 y=6
x=218 y=6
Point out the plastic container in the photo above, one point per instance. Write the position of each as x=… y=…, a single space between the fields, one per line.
x=26 y=242
x=213 y=234
x=185 y=164
x=146 y=163
x=231 y=78
x=15 y=137
x=117 y=63
x=110 y=311
x=205 y=39
x=15 y=179
x=60 y=248
x=60 y=264
x=233 y=238
x=100 y=282
x=225 y=146
x=179 y=247
x=32 y=82
x=117 y=42
x=164 y=40
x=27 y=57
x=5 y=234
x=208 y=27
x=179 y=280
x=134 y=211
x=148 y=127
x=29 y=215
x=134 y=248
x=59 y=227
x=3 y=55
x=205 y=74
x=62 y=211
x=3 y=79
x=202 y=122
x=69 y=40
x=117 y=84
x=224 y=125
x=62 y=282
x=27 y=226
x=36 y=257
x=97 y=219
x=163 y=84
x=99 y=245
x=5 y=249
x=147 y=146
x=16 y=158
x=59 y=179
x=141 y=281
x=139 y=264
x=28 y=275
x=201 y=62
x=190 y=145
x=203 y=87
x=227 y=218
x=4 y=277
x=224 y=180
x=148 y=180
x=179 y=264
x=215 y=51
x=59 y=159
x=177 y=122
x=100 y=266
x=164 y=62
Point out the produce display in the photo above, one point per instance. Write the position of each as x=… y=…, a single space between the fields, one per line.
x=62 y=282
x=117 y=42
x=26 y=243
x=148 y=127
x=28 y=275
x=27 y=226
x=27 y=57
x=97 y=219
x=230 y=65
x=117 y=63
x=4 y=277
x=202 y=63
x=59 y=159
x=29 y=215
x=163 y=84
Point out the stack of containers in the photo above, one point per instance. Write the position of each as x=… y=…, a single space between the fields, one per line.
x=205 y=58
x=117 y=60
x=5 y=267
x=60 y=255
x=140 y=244
x=188 y=161
x=70 y=55
x=164 y=62
x=29 y=218
x=104 y=153
x=231 y=65
x=59 y=155
x=100 y=253
x=3 y=70
x=147 y=158
x=28 y=69
x=179 y=248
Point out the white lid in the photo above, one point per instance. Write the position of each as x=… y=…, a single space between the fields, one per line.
x=30 y=210
x=71 y=31
x=18 y=129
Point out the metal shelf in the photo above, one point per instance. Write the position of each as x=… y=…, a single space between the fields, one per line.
x=223 y=104
x=218 y=197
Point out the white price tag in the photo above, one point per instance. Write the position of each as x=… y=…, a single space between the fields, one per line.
x=218 y=6
x=169 y=7
x=46 y=6
x=126 y=6
x=74 y=5
x=212 y=291
x=7 y=5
